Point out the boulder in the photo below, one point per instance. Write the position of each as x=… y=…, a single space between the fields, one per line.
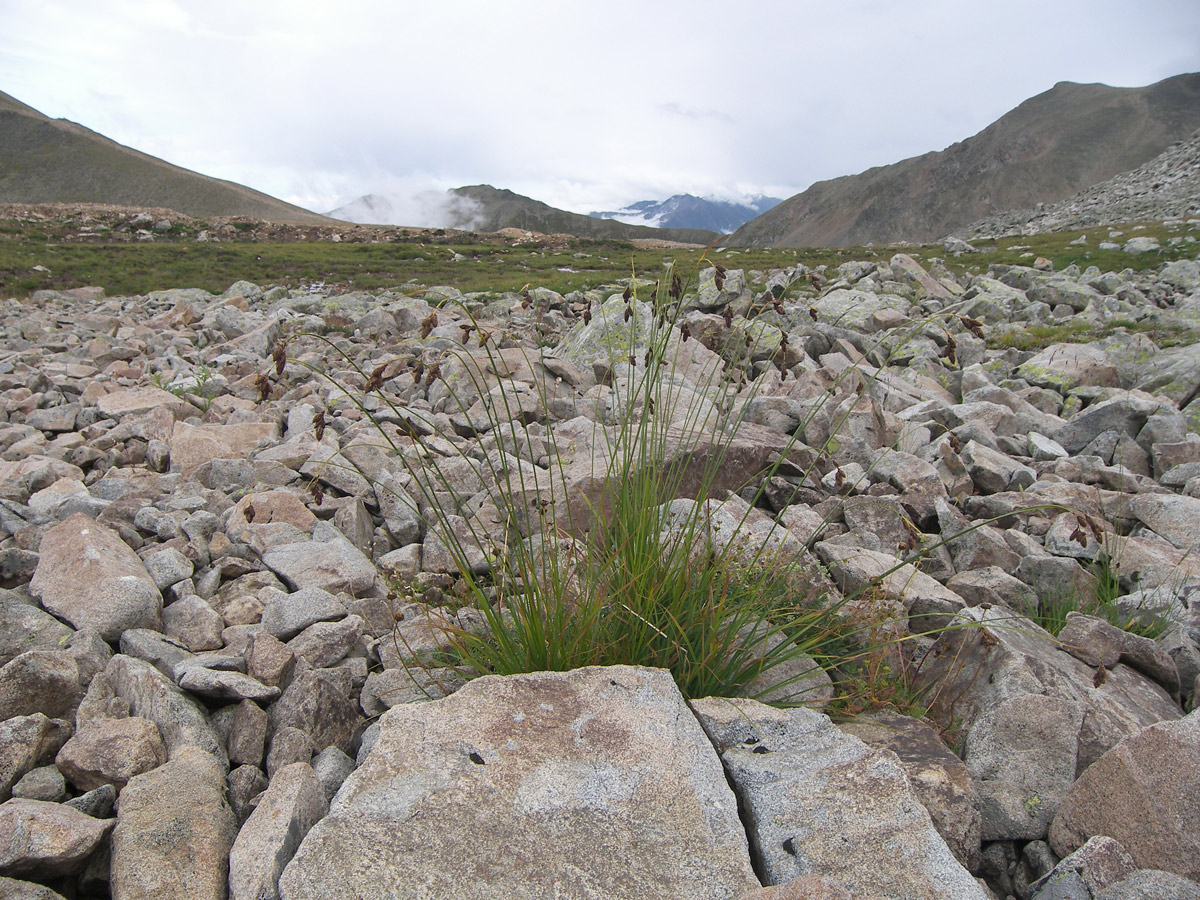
x=45 y=681
x=328 y=561
x=46 y=840
x=991 y=655
x=174 y=832
x=290 y=806
x=25 y=743
x=1145 y=793
x=817 y=801
x=91 y=578
x=592 y=783
x=938 y=778
x=111 y=751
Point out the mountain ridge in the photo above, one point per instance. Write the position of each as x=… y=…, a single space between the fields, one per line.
x=1046 y=149
x=45 y=160
x=690 y=211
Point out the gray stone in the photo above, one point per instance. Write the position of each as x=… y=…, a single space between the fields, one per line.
x=329 y=561
x=286 y=615
x=1097 y=864
x=1173 y=517
x=544 y=765
x=993 y=472
x=1150 y=777
x=818 y=801
x=991 y=655
x=25 y=743
x=91 y=578
x=324 y=644
x=111 y=751
x=1021 y=755
x=247 y=736
x=245 y=784
x=167 y=567
x=289 y=745
x=269 y=660
x=96 y=803
x=194 y=623
x=225 y=685
x=43 y=783
x=1150 y=884
x=46 y=840
x=151 y=695
x=332 y=768
x=13 y=889
x=25 y=627
x=289 y=807
x=44 y=681
x=174 y=832
x=160 y=651
x=1066 y=366
x=320 y=708
x=1126 y=415
x=938 y=778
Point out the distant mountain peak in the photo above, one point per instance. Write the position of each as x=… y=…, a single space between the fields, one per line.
x=690 y=211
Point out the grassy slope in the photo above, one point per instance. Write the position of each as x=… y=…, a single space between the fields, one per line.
x=45 y=160
x=468 y=262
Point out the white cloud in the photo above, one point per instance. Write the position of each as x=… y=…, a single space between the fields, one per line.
x=585 y=105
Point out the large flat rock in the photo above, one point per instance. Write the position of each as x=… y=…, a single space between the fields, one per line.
x=596 y=783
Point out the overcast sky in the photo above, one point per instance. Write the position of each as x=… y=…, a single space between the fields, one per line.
x=585 y=105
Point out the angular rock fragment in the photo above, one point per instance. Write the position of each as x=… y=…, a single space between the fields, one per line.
x=821 y=802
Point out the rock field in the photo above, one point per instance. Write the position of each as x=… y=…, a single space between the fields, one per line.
x=217 y=589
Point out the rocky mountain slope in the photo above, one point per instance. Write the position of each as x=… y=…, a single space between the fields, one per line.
x=1166 y=187
x=44 y=160
x=226 y=594
x=1047 y=149
x=689 y=211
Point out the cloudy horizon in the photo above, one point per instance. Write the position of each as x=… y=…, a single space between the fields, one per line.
x=584 y=106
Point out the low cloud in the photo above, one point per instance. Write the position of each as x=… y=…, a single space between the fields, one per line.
x=428 y=208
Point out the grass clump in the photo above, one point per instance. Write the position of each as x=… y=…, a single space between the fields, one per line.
x=626 y=536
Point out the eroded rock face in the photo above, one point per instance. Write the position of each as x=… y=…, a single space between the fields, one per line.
x=592 y=783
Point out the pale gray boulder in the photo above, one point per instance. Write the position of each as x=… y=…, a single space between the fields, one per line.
x=91 y=578
x=46 y=840
x=594 y=783
x=1021 y=753
x=266 y=843
x=328 y=561
x=817 y=801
